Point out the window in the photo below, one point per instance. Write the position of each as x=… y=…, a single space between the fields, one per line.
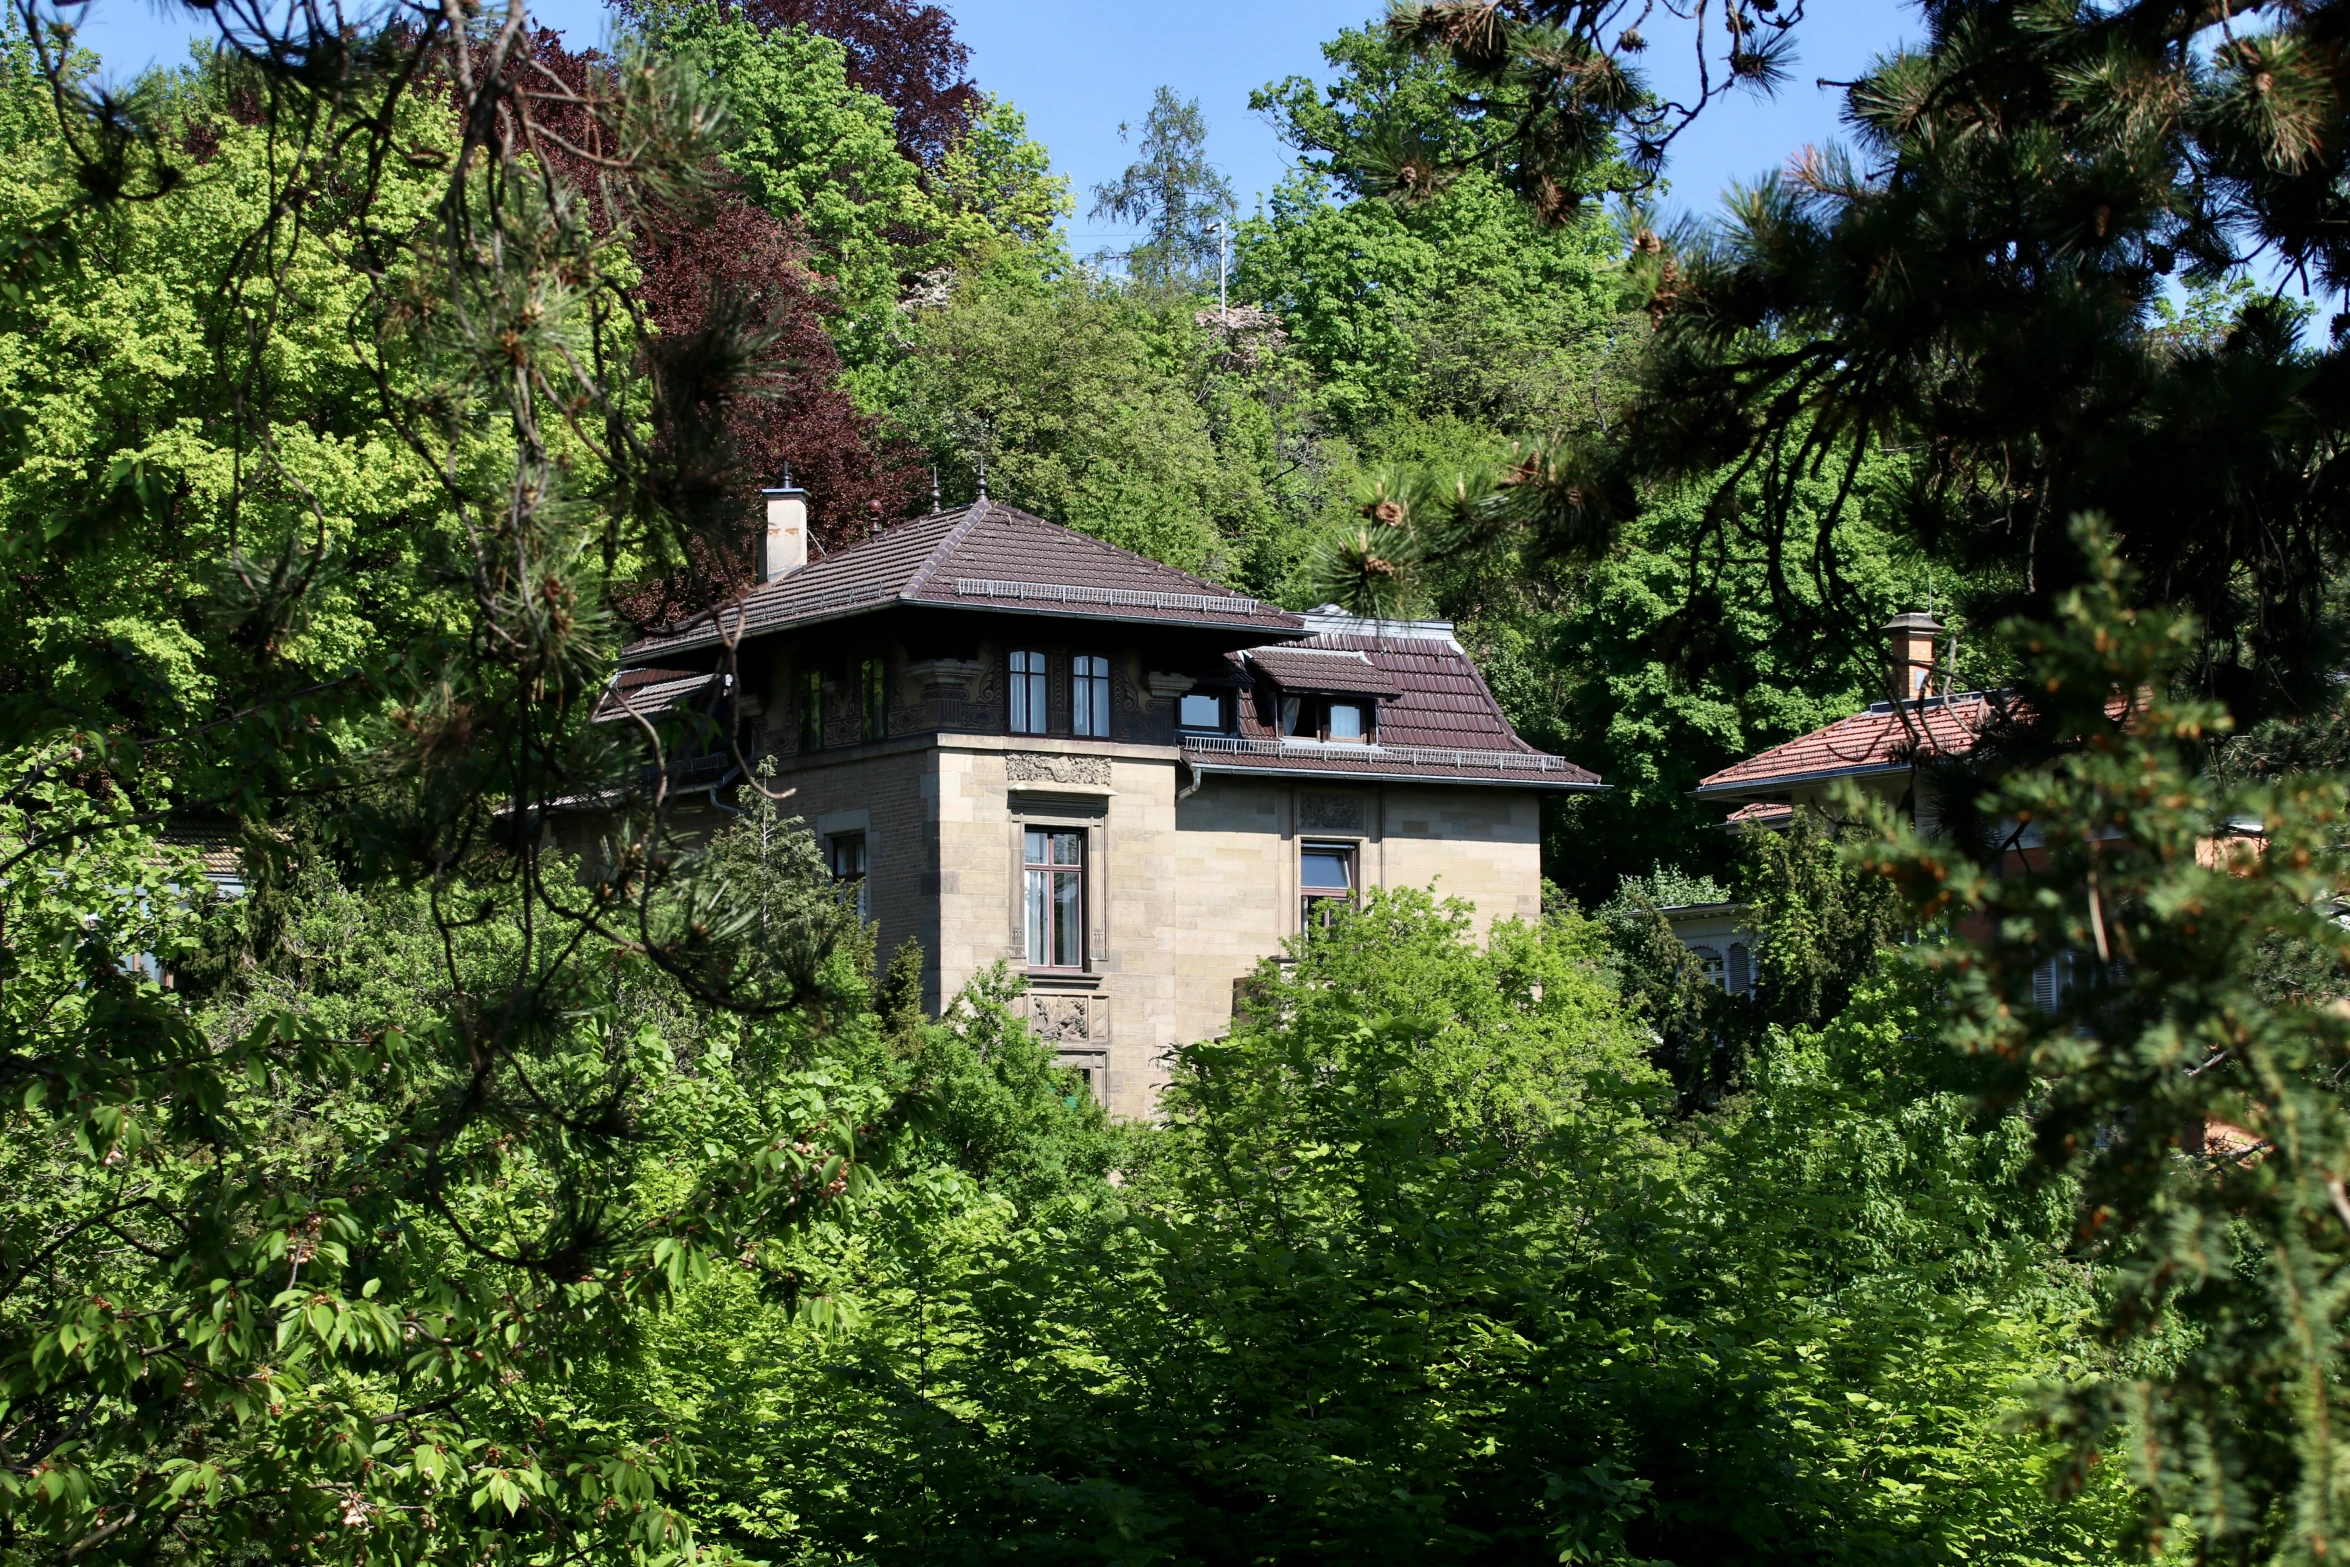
x=1346 y=721
x=847 y=853
x=1028 y=709
x=2051 y=979
x=1326 y=878
x=1709 y=960
x=1056 y=897
x=1089 y=696
x=1201 y=710
x=812 y=710
x=874 y=689
x=1741 y=970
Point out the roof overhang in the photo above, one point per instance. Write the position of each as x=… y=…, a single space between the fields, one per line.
x=655 y=648
x=1531 y=780
x=1750 y=788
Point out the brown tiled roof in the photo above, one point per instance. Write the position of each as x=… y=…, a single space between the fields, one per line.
x=1767 y=813
x=1884 y=738
x=1441 y=724
x=983 y=556
x=1315 y=668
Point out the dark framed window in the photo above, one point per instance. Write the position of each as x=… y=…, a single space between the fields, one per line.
x=1326 y=882
x=846 y=851
x=1089 y=696
x=873 y=691
x=1349 y=722
x=1054 y=860
x=812 y=710
x=1028 y=693
x=1201 y=710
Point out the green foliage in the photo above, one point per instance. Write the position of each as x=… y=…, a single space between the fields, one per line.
x=1093 y=407
x=1414 y=1271
x=1460 y=304
x=1173 y=195
x=1823 y=922
x=2194 y=1097
x=812 y=149
x=824 y=155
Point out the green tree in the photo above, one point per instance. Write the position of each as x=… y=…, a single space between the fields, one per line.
x=1092 y=404
x=2185 y=1077
x=1173 y=194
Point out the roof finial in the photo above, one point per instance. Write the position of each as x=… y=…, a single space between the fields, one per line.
x=935 y=507
x=983 y=473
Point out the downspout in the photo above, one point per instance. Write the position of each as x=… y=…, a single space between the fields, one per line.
x=1197 y=778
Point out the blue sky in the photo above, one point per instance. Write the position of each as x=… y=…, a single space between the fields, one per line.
x=1080 y=67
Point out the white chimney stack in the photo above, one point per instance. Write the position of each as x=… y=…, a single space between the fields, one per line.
x=783 y=548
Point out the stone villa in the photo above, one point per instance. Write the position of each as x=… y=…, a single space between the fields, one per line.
x=1027 y=746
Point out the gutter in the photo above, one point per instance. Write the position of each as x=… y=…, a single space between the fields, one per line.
x=1329 y=775
x=1761 y=786
x=658 y=647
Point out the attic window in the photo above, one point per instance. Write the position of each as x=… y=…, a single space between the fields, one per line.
x=1346 y=722
x=1201 y=710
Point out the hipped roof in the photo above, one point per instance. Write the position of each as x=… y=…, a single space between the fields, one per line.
x=986 y=556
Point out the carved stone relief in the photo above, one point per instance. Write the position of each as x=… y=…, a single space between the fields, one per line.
x=1330 y=812
x=1037 y=767
x=1168 y=687
x=1060 y=1020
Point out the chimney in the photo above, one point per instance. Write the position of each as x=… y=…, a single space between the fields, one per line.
x=1909 y=645
x=783 y=548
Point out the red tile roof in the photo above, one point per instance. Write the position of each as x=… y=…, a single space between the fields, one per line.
x=1884 y=738
x=985 y=556
x=1442 y=723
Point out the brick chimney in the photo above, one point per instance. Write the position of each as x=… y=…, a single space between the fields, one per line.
x=1909 y=647
x=783 y=548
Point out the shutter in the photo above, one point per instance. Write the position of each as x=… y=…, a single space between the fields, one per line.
x=1741 y=976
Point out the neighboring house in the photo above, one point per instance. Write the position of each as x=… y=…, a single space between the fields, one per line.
x=1886 y=749
x=1027 y=746
x=1880 y=749
x=1716 y=935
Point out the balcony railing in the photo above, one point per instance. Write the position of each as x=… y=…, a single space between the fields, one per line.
x=1129 y=598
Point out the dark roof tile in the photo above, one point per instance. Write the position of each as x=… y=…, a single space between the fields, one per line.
x=1442 y=723
x=985 y=556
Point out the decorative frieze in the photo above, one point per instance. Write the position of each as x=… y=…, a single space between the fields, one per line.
x=1043 y=767
x=1330 y=812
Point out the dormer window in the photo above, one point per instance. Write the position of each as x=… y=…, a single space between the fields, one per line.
x=1201 y=710
x=1348 y=723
